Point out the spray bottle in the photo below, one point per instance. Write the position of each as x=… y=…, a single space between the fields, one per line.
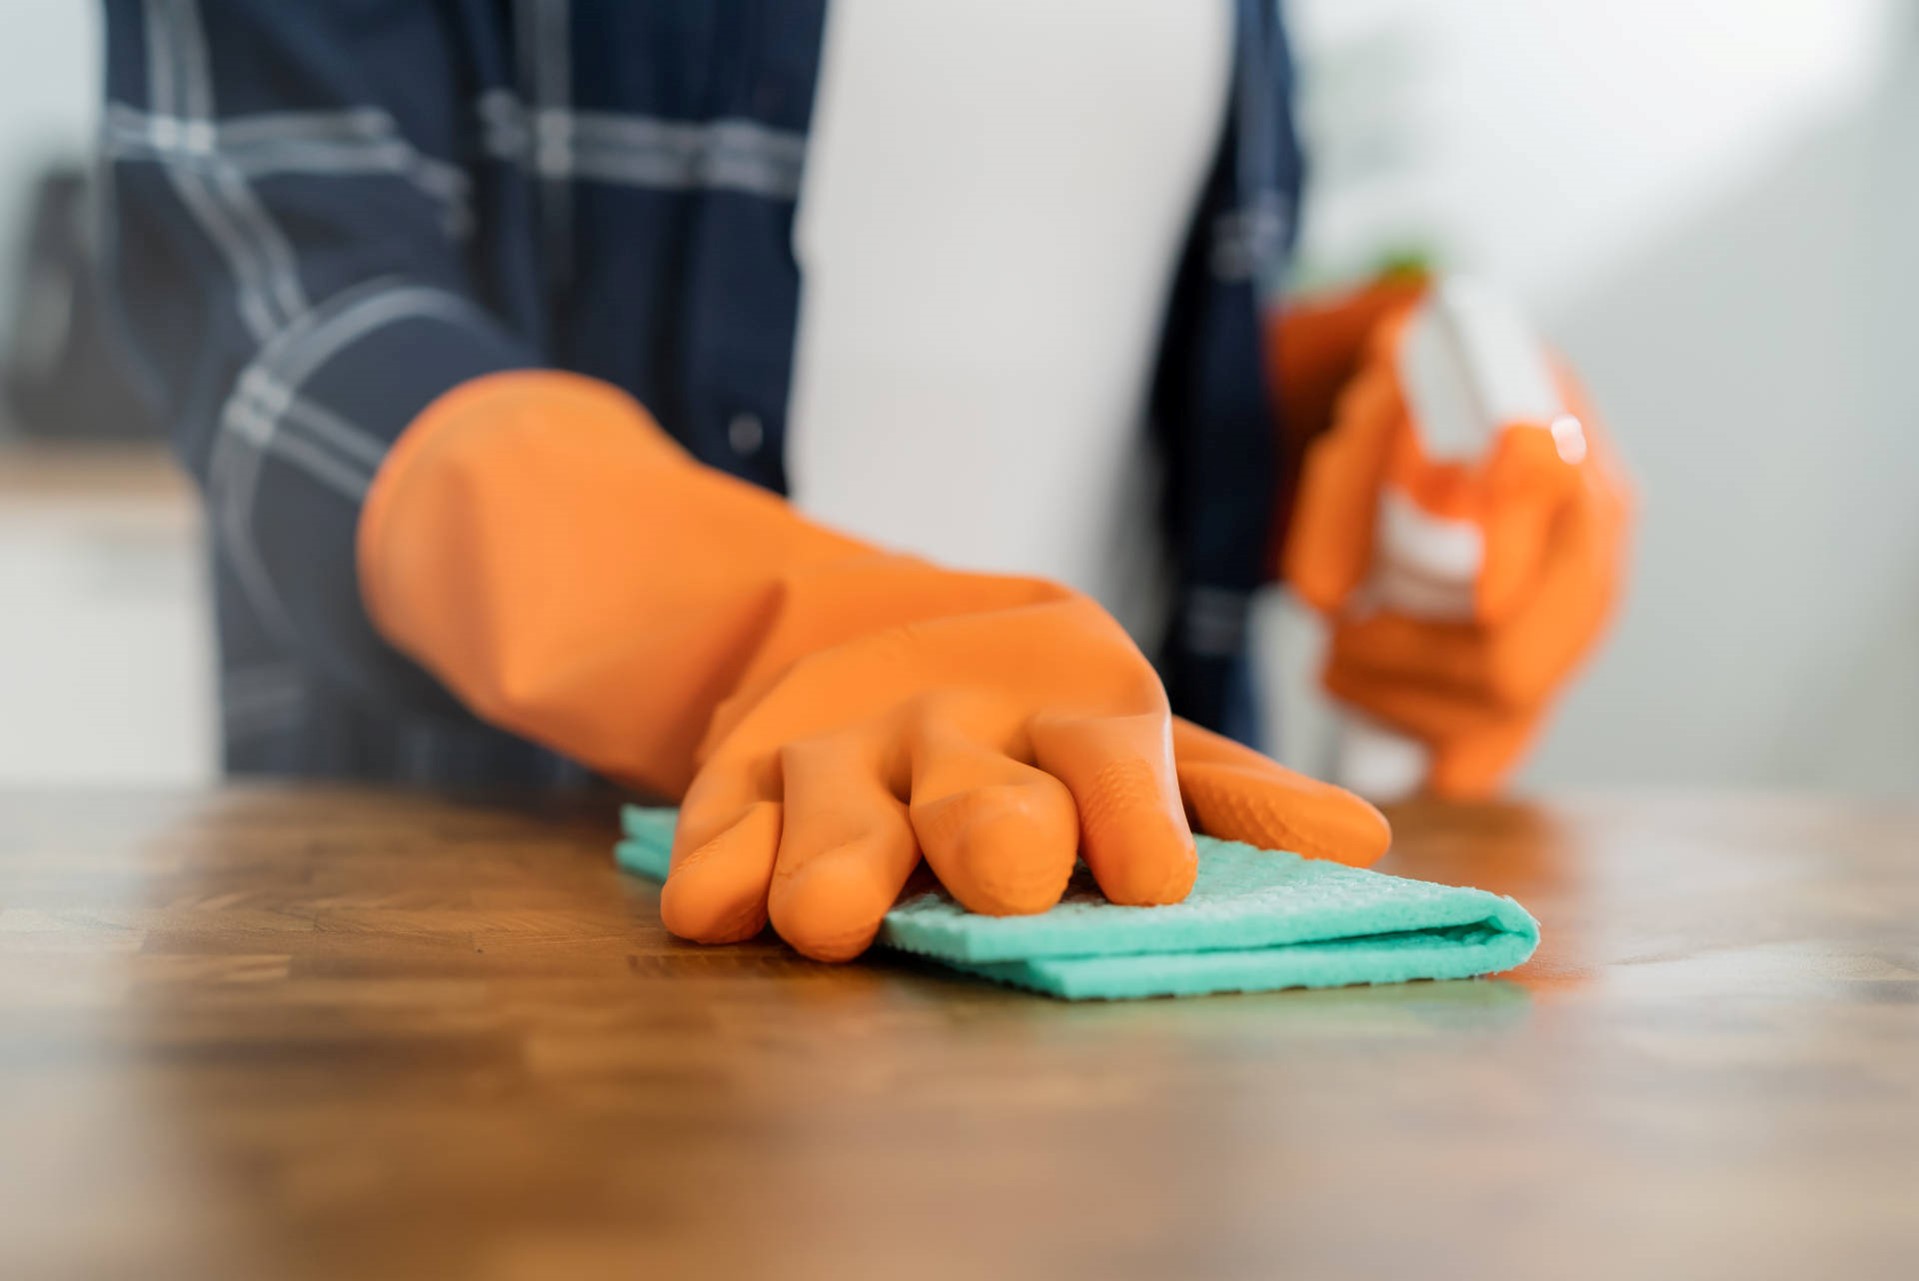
x=1475 y=377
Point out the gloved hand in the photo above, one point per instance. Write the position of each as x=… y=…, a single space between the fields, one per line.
x=1536 y=531
x=828 y=712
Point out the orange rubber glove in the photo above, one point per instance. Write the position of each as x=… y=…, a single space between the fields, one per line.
x=827 y=712
x=1471 y=675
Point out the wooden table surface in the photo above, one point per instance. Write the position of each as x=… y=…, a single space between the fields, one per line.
x=285 y=1032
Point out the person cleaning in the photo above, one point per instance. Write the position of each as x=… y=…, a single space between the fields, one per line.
x=481 y=327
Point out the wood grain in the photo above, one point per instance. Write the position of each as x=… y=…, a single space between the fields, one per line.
x=287 y=1032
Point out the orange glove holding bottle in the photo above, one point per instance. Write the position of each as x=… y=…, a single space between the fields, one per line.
x=1459 y=519
x=826 y=712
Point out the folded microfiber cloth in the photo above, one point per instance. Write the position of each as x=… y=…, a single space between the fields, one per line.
x=1256 y=920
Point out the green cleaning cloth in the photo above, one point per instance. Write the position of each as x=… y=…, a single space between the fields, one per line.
x=1256 y=920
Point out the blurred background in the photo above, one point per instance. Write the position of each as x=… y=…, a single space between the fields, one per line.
x=1706 y=203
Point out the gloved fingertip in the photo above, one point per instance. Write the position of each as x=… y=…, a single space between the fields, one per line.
x=1362 y=831
x=825 y=920
x=1158 y=869
x=716 y=892
x=1136 y=840
x=1133 y=830
x=831 y=908
x=1001 y=850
